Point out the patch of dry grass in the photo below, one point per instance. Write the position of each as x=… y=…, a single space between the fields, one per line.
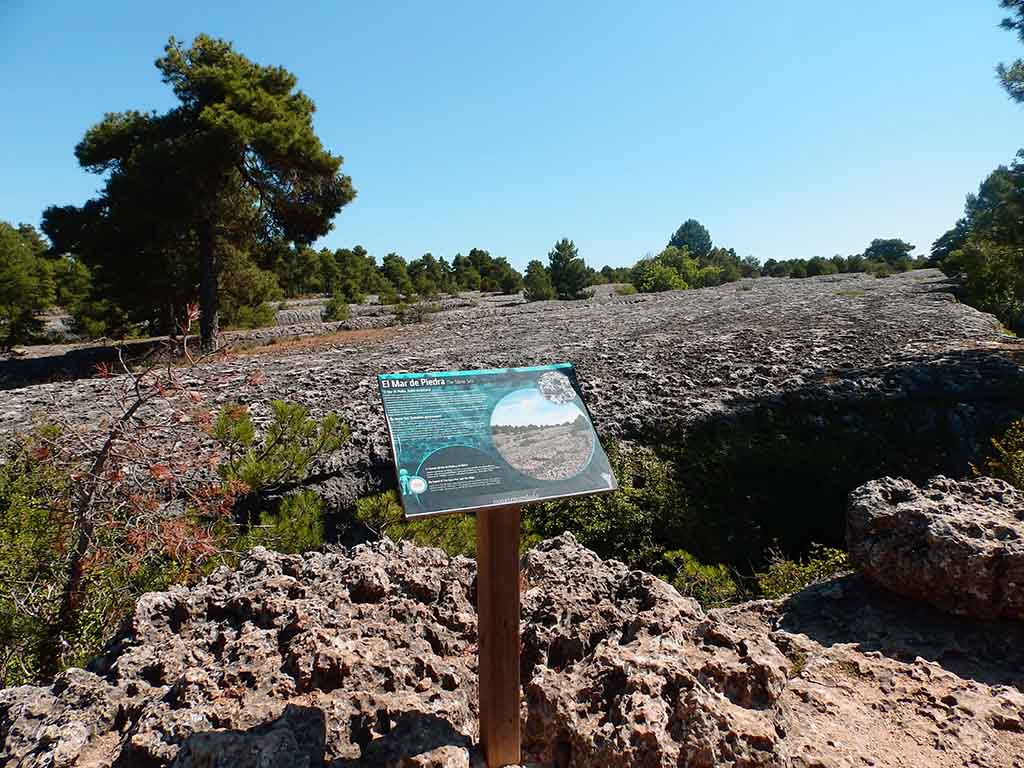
x=297 y=344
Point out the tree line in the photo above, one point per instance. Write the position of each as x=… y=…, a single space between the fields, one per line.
x=984 y=249
x=218 y=200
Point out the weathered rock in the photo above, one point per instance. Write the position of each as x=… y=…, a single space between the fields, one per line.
x=958 y=545
x=845 y=346
x=368 y=658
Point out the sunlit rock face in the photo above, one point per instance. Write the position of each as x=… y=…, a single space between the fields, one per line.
x=367 y=657
x=958 y=545
x=647 y=364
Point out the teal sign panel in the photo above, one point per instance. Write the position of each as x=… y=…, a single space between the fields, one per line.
x=465 y=440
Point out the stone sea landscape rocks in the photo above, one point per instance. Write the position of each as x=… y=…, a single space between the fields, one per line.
x=647 y=363
x=366 y=655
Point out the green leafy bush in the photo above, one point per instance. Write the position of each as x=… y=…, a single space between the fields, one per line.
x=37 y=538
x=260 y=316
x=652 y=276
x=132 y=544
x=246 y=291
x=629 y=524
x=337 y=308
x=1007 y=458
x=711 y=585
x=387 y=294
x=26 y=286
x=785 y=576
x=34 y=535
x=406 y=314
x=382 y=514
x=993 y=278
x=298 y=526
x=537 y=283
x=625 y=290
x=290 y=443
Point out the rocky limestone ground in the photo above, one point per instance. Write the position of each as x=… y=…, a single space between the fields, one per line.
x=367 y=657
x=958 y=545
x=647 y=363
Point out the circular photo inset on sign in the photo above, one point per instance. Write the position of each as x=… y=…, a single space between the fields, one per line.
x=417 y=484
x=543 y=438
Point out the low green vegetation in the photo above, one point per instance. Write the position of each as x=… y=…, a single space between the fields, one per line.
x=285 y=451
x=337 y=308
x=382 y=516
x=653 y=522
x=1006 y=460
x=711 y=585
x=784 y=576
x=31 y=282
x=138 y=547
x=883 y=257
x=538 y=285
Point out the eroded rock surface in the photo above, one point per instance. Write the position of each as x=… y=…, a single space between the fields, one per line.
x=958 y=545
x=648 y=364
x=368 y=657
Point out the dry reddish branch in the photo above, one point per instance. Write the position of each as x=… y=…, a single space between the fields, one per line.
x=152 y=452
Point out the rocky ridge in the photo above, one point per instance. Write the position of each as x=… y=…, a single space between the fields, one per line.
x=367 y=657
x=648 y=364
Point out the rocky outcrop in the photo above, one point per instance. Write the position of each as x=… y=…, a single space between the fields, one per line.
x=958 y=545
x=367 y=657
x=843 y=350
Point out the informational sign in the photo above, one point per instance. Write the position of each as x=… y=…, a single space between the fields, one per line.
x=466 y=440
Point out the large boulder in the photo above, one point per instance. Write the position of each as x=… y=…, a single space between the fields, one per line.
x=956 y=544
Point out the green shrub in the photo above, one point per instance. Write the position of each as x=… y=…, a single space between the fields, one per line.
x=382 y=514
x=992 y=277
x=537 y=284
x=625 y=290
x=246 y=292
x=134 y=546
x=337 y=308
x=260 y=316
x=291 y=442
x=711 y=585
x=455 y=534
x=34 y=537
x=653 y=276
x=37 y=537
x=298 y=526
x=629 y=524
x=387 y=294
x=26 y=286
x=94 y=317
x=1007 y=459
x=783 y=576
x=406 y=314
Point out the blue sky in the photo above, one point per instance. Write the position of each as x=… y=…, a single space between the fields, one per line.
x=528 y=406
x=790 y=129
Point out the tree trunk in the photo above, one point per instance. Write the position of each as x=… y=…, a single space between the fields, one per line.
x=209 y=324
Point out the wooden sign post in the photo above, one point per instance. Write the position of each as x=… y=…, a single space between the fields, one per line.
x=486 y=441
x=497 y=599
